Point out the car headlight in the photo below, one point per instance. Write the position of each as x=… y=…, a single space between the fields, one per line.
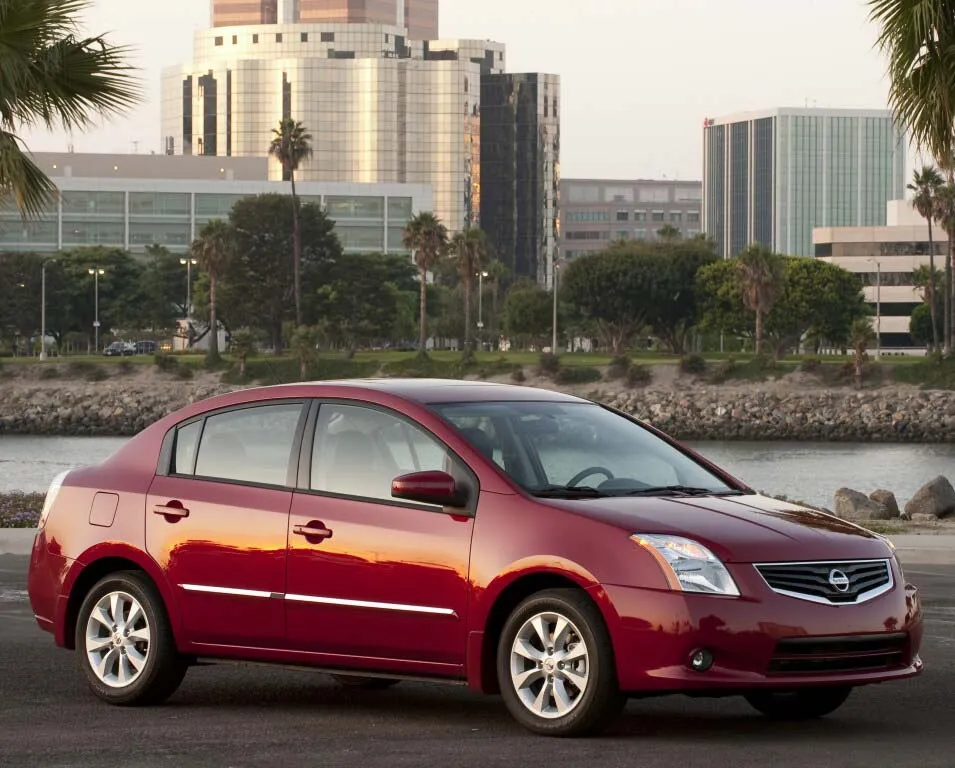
x=688 y=566
x=51 y=497
x=895 y=554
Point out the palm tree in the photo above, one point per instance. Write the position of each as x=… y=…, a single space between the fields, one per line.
x=50 y=75
x=927 y=280
x=427 y=238
x=668 y=233
x=761 y=273
x=925 y=184
x=292 y=144
x=861 y=337
x=945 y=216
x=470 y=247
x=213 y=249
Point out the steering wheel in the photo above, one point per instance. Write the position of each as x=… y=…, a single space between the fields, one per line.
x=588 y=472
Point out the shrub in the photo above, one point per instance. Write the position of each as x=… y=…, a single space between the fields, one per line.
x=165 y=363
x=48 y=373
x=577 y=375
x=619 y=367
x=184 y=372
x=724 y=371
x=811 y=365
x=639 y=376
x=125 y=367
x=517 y=375
x=20 y=510
x=693 y=364
x=97 y=373
x=549 y=364
x=80 y=368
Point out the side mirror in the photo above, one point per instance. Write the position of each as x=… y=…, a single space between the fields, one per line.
x=431 y=487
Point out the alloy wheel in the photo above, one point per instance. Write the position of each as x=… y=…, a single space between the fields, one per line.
x=117 y=639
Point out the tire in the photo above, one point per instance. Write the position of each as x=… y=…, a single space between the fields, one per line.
x=589 y=706
x=802 y=704
x=147 y=655
x=365 y=683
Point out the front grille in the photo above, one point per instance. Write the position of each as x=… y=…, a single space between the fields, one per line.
x=834 y=583
x=820 y=655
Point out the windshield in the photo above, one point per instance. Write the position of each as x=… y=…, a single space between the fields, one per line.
x=577 y=450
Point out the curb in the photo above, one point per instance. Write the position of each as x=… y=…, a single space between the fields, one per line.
x=913 y=549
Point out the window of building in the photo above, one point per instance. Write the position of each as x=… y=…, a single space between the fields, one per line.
x=693 y=217
x=235 y=39
x=329 y=37
x=640 y=234
x=623 y=234
x=305 y=37
x=278 y=37
x=823 y=249
x=659 y=216
x=640 y=216
x=251 y=445
x=586 y=235
x=623 y=216
x=359 y=451
x=219 y=41
x=676 y=216
x=255 y=39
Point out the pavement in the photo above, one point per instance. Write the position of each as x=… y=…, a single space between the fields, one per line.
x=237 y=716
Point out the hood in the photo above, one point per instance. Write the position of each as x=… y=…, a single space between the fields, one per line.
x=743 y=529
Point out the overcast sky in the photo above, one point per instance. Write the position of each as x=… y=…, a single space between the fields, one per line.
x=638 y=76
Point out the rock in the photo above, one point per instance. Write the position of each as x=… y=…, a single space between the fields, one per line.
x=922 y=517
x=855 y=506
x=936 y=497
x=886 y=499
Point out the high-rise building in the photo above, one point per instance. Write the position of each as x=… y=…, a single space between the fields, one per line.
x=771 y=177
x=420 y=17
x=520 y=170
x=594 y=212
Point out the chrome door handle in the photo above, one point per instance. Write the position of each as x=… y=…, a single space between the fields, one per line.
x=309 y=531
x=167 y=511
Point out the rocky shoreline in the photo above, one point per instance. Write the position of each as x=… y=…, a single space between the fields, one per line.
x=123 y=406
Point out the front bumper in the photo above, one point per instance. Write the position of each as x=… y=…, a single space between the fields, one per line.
x=760 y=640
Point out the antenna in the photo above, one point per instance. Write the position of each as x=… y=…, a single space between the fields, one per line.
x=135 y=147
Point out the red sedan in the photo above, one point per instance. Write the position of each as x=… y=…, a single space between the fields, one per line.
x=524 y=542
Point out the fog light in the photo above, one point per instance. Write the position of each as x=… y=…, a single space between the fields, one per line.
x=701 y=660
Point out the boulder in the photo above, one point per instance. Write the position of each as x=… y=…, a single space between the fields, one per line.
x=936 y=497
x=855 y=506
x=886 y=499
x=921 y=517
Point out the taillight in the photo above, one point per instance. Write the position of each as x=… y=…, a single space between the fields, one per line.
x=51 y=494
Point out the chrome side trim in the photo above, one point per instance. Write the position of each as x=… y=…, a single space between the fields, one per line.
x=369 y=604
x=862 y=597
x=226 y=590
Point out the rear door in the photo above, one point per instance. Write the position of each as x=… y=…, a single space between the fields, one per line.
x=217 y=520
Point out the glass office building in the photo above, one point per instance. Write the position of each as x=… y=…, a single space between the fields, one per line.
x=143 y=208
x=772 y=177
x=520 y=171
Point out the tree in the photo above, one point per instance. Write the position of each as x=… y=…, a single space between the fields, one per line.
x=761 y=275
x=925 y=184
x=676 y=305
x=613 y=290
x=927 y=281
x=470 y=248
x=52 y=75
x=945 y=215
x=427 y=238
x=243 y=347
x=669 y=233
x=121 y=290
x=303 y=342
x=861 y=338
x=163 y=289
x=291 y=145
x=214 y=249
x=528 y=310
x=921 y=326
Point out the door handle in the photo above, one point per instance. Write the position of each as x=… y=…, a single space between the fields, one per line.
x=167 y=510
x=313 y=531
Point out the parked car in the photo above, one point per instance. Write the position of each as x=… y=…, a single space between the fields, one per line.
x=146 y=347
x=120 y=349
x=526 y=542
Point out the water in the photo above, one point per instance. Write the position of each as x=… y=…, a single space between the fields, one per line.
x=809 y=472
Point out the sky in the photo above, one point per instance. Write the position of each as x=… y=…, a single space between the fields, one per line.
x=638 y=77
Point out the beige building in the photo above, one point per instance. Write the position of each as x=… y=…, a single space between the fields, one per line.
x=885 y=257
x=381 y=109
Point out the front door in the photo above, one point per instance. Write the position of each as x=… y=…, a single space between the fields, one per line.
x=217 y=523
x=374 y=582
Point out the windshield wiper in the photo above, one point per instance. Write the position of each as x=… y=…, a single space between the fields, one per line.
x=570 y=492
x=682 y=490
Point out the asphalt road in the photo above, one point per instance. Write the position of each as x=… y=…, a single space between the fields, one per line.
x=244 y=716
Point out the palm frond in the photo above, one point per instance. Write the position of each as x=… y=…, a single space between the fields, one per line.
x=22 y=180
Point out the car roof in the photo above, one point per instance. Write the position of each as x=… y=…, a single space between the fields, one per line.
x=428 y=391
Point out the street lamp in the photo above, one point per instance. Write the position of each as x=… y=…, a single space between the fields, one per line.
x=188 y=263
x=878 y=308
x=481 y=276
x=43 y=307
x=553 y=342
x=96 y=272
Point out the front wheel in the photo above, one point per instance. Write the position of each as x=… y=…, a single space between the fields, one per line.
x=124 y=643
x=556 y=666
x=802 y=704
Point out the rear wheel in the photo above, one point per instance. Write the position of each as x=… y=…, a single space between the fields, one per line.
x=802 y=704
x=365 y=683
x=124 y=643
x=556 y=665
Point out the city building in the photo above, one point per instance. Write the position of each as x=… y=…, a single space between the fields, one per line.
x=884 y=257
x=520 y=171
x=594 y=212
x=134 y=201
x=772 y=177
x=419 y=16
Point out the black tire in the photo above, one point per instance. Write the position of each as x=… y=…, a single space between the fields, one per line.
x=601 y=701
x=801 y=704
x=164 y=667
x=365 y=683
